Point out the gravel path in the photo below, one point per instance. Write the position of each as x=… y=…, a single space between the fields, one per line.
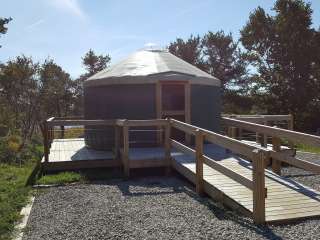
x=301 y=176
x=150 y=208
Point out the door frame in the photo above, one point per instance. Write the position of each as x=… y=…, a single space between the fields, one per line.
x=187 y=104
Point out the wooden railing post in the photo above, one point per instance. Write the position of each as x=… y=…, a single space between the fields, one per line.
x=125 y=156
x=240 y=134
x=62 y=132
x=264 y=142
x=116 y=141
x=290 y=127
x=46 y=141
x=167 y=146
x=50 y=135
x=259 y=192
x=199 y=161
x=276 y=146
x=234 y=132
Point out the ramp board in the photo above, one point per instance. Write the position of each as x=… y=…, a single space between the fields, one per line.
x=286 y=199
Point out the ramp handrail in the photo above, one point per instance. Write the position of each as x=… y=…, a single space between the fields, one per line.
x=257 y=155
x=277 y=134
x=296 y=137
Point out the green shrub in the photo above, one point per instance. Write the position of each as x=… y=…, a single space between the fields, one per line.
x=12 y=151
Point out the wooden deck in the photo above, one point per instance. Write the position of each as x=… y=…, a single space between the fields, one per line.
x=286 y=199
x=66 y=154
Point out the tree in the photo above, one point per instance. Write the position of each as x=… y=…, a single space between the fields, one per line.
x=19 y=91
x=3 y=22
x=216 y=53
x=219 y=55
x=56 y=90
x=282 y=47
x=189 y=50
x=224 y=60
x=95 y=63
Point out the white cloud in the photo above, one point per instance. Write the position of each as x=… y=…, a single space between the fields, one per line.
x=71 y=6
x=34 y=25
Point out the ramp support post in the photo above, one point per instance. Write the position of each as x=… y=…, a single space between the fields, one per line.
x=276 y=146
x=125 y=156
x=259 y=191
x=167 y=146
x=199 y=161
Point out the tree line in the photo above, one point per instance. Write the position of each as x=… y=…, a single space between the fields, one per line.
x=31 y=91
x=273 y=68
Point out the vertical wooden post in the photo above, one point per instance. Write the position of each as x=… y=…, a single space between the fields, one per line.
x=46 y=141
x=290 y=122
x=259 y=193
x=290 y=127
x=167 y=146
x=116 y=141
x=62 y=132
x=240 y=133
x=229 y=132
x=159 y=110
x=257 y=137
x=187 y=107
x=265 y=136
x=276 y=146
x=199 y=161
x=125 y=156
x=50 y=135
x=234 y=132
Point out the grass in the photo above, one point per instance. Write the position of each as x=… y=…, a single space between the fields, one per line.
x=14 y=195
x=60 y=178
x=306 y=148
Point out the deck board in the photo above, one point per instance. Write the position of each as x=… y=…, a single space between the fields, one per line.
x=72 y=154
x=286 y=199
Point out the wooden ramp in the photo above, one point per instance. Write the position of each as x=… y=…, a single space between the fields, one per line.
x=286 y=199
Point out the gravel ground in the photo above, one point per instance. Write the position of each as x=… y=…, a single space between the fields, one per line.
x=150 y=208
x=301 y=176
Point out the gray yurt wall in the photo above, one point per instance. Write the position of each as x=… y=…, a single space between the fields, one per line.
x=130 y=90
x=206 y=107
x=126 y=101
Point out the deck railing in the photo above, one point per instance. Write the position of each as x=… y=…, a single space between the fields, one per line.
x=48 y=126
x=277 y=134
x=258 y=155
x=126 y=125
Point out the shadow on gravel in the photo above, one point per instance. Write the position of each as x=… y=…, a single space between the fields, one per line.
x=180 y=186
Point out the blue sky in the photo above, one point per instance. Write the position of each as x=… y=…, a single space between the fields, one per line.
x=66 y=29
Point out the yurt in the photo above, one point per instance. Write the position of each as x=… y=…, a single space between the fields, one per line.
x=150 y=84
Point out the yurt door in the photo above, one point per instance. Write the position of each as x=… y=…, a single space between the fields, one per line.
x=173 y=100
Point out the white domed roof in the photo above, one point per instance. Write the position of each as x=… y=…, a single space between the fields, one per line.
x=149 y=66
